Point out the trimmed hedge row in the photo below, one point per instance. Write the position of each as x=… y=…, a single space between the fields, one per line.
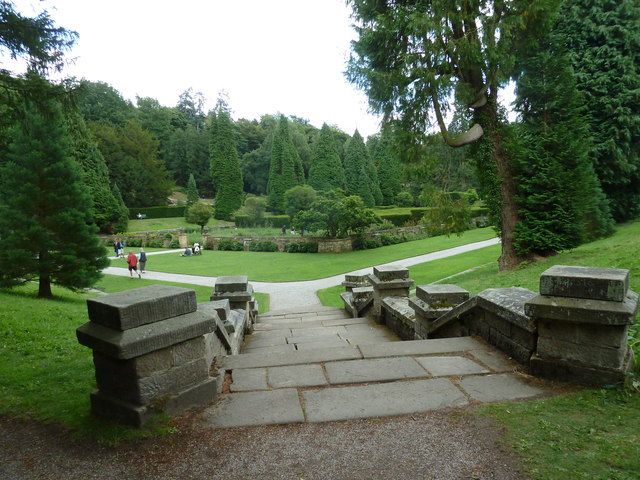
x=265 y=246
x=415 y=214
x=230 y=246
x=276 y=221
x=307 y=247
x=157 y=212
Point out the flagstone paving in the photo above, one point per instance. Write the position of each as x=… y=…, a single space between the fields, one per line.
x=316 y=364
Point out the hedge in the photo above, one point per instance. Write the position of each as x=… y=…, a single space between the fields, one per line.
x=230 y=245
x=415 y=214
x=276 y=221
x=157 y=212
x=264 y=246
x=307 y=247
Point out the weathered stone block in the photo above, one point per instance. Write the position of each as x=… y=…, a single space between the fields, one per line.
x=141 y=306
x=568 y=371
x=611 y=336
x=123 y=412
x=589 y=355
x=508 y=303
x=399 y=317
x=231 y=284
x=138 y=367
x=358 y=279
x=386 y=273
x=441 y=296
x=585 y=282
x=222 y=307
x=426 y=311
x=146 y=338
x=584 y=311
x=188 y=351
x=142 y=391
x=362 y=293
x=193 y=397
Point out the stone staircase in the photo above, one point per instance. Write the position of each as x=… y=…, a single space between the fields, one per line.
x=319 y=364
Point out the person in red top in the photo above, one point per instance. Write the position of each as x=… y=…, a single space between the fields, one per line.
x=132 y=261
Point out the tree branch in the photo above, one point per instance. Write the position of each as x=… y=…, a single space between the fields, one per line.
x=470 y=136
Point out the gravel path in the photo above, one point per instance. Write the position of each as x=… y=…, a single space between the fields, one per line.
x=445 y=445
x=290 y=295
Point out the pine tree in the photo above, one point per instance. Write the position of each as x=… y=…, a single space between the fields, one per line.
x=560 y=203
x=46 y=223
x=603 y=42
x=108 y=213
x=225 y=168
x=123 y=211
x=326 y=171
x=372 y=175
x=389 y=169
x=285 y=168
x=356 y=162
x=192 y=191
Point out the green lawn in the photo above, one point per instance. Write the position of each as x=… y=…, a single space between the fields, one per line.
x=591 y=434
x=45 y=374
x=153 y=224
x=284 y=267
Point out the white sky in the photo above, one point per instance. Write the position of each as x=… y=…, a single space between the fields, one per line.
x=271 y=56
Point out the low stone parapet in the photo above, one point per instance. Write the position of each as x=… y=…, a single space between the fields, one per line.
x=388 y=281
x=399 y=316
x=149 y=352
x=583 y=316
x=433 y=301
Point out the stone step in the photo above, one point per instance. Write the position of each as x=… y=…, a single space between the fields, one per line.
x=304 y=312
x=365 y=350
x=320 y=322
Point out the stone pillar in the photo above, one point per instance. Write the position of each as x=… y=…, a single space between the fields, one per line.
x=433 y=301
x=583 y=317
x=355 y=281
x=388 y=281
x=239 y=292
x=149 y=353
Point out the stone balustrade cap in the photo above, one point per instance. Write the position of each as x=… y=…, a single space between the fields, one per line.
x=585 y=282
x=362 y=279
x=391 y=272
x=389 y=284
x=147 y=338
x=579 y=310
x=141 y=306
x=236 y=283
x=442 y=295
x=222 y=307
x=426 y=310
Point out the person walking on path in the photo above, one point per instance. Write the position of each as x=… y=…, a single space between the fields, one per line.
x=142 y=260
x=116 y=248
x=132 y=261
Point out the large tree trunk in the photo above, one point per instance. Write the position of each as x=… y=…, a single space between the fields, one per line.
x=487 y=116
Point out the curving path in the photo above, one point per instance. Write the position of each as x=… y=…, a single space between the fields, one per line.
x=289 y=295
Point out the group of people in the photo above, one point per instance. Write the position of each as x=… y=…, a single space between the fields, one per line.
x=118 y=247
x=189 y=251
x=293 y=231
x=133 y=261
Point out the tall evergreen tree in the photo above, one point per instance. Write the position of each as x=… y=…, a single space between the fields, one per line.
x=372 y=174
x=603 y=41
x=122 y=208
x=108 y=213
x=46 y=223
x=389 y=169
x=285 y=169
x=326 y=171
x=560 y=200
x=356 y=172
x=225 y=168
x=192 y=191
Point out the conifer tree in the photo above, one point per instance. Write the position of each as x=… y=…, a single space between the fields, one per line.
x=356 y=162
x=108 y=213
x=560 y=200
x=192 y=191
x=46 y=223
x=372 y=175
x=225 y=167
x=285 y=168
x=326 y=172
x=603 y=42
x=123 y=211
x=389 y=169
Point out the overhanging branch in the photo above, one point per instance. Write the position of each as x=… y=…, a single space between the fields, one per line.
x=470 y=136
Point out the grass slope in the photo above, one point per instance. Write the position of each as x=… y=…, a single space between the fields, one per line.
x=284 y=267
x=45 y=374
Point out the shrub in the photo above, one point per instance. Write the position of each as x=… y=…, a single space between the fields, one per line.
x=155 y=243
x=264 y=246
x=230 y=246
x=174 y=244
x=363 y=243
x=398 y=219
x=306 y=247
x=404 y=199
x=276 y=221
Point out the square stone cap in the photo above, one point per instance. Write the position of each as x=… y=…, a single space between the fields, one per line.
x=237 y=283
x=222 y=307
x=442 y=295
x=399 y=307
x=509 y=304
x=577 y=310
x=585 y=282
x=390 y=284
x=363 y=279
x=362 y=290
x=141 y=306
x=391 y=272
x=148 y=338
x=425 y=310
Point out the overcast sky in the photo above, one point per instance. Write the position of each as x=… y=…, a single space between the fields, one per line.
x=272 y=56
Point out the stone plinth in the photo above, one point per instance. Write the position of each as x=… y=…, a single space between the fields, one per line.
x=433 y=301
x=149 y=352
x=388 y=281
x=355 y=281
x=399 y=316
x=238 y=292
x=583 y=317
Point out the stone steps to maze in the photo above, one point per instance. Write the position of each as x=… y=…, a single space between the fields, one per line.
x=369 y=380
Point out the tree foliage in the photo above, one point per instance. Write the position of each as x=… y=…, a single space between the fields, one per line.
x=46 y=222
x=285 y=169
x=603 y=42
x=225 y=168
x=192 y=191
x=326 y=171
x=199 y=213
x=389 y=169
x=356 y=162
x=298 y=199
